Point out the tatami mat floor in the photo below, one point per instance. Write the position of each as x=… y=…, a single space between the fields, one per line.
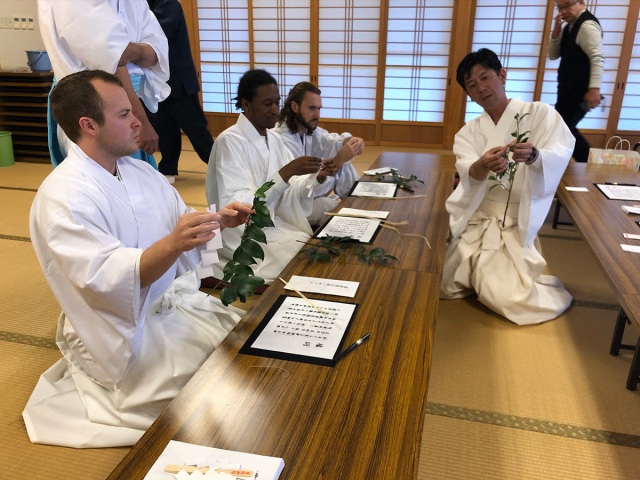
x=505 y=402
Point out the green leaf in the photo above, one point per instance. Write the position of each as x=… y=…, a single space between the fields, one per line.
x=228 y=295
x=262 y=211
x=255 y=233
x=377 y=252
x=324 y=257
x=359 y=249
x=252 y=248
x=248 y=286
x=242 y=257
x=263 y=189
x=364 y=258
x=261 y=222
x=335 y=251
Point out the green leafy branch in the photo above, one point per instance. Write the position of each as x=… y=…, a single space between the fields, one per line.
x=509 y=173
x=329 y=247
x=401 y=181
x=238 y=272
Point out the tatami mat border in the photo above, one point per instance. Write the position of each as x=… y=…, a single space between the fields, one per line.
x=599 y=305
x=559 y=237
x=28 y=340
x=534 y=425
x=3 y=187
x=14 y=237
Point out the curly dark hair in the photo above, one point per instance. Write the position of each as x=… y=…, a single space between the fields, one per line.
x=296 y=94
x=249 y=83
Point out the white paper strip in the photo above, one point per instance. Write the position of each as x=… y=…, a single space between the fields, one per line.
x=377 y=171
x=355 y=212
x=326 y=286
x=209 y=257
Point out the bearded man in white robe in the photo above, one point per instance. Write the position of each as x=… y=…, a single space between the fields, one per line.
x=247 y=155
x=493 y=248
x=118 y=247
x=298 y=127
x=117 y=36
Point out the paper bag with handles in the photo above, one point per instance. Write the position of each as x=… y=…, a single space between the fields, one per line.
x=620 y=154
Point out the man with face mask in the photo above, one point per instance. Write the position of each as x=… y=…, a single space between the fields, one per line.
x=298 y=127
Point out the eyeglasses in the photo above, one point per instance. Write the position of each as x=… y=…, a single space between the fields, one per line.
x=564 y=6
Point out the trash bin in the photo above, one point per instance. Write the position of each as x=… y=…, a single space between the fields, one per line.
x=38 y=60
x=6 y=149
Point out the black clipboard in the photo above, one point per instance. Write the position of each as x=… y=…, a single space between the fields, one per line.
x=327 y=362
x=325 y=224
x=599 y=185
x=355 y=184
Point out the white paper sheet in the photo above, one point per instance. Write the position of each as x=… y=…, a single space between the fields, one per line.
x=630 y=248
x=577 y=189
x=631 y=236
x=180 y=453
x=360 y=229
x=355 y=212
x=326 y=286
x=628 y=209
x=620 y=192
x=300 y=329
x=374 y=189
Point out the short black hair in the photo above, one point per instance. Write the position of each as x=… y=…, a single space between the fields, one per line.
x=75 y=97
x=296 y=94
x=484 y=57
x=249 y=83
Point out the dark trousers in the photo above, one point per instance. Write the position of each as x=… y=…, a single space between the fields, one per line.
x=571 y=112
x=183 y=113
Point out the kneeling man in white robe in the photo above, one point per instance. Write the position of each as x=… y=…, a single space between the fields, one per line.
x=493 y=247
x=247 y=155
x=118 y=247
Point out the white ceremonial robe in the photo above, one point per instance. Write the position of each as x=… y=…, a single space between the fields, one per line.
x=241 y=161
x=93 y=34
x=503 y=265
x=324 y=145
x=127 y=351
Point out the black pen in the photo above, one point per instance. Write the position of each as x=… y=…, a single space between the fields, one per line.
x=621 y=184
x=352 y=346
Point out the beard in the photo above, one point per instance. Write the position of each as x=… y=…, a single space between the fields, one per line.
x=117 y=148
x=301 y=121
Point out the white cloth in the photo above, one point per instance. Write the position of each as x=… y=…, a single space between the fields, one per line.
x=127 y=350
x=324 y=145
x=503 y=265
x=589 y=39
x=241 y=161
x=93 y=34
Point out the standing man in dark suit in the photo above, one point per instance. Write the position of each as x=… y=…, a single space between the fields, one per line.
x=181 y=110
x=579 y=45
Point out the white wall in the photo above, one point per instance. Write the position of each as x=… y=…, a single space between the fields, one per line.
x=14 y=43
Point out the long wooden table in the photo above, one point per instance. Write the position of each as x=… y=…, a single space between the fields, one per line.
x=602 y=223
x=362 y=418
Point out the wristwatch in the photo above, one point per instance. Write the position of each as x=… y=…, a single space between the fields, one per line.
x=532 y=157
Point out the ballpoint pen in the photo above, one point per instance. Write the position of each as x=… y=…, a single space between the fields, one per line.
x=352 y=346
